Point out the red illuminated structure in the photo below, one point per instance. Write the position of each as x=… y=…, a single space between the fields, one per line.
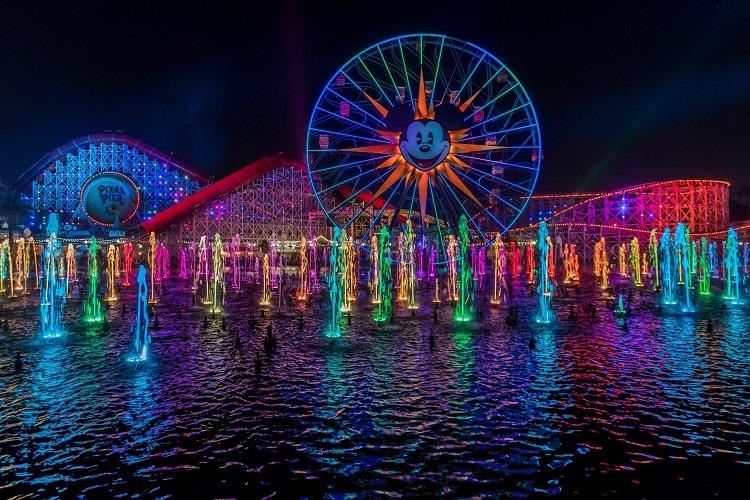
x=582 y=218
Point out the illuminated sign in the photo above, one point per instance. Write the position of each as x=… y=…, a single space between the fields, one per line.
x=109 y=196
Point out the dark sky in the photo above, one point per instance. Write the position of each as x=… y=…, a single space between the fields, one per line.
x=625 y=92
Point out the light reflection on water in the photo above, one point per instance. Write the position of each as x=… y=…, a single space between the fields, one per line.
x=594 y=408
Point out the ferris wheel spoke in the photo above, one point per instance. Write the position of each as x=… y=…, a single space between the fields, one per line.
x=360 y=108
x=498 y=116
x=388 y=70
x=379 y=214
x=490 y=193
x=466 y=212
x=357 y=193
x=406 y=75
x=493 y=100
x=471 y=73
x=494 y=178
x=350 y=164
x=349 y=120
x=437 y=69
x=375 y=81
x=352 y=136
x=495 y=162
x=499 y=132
x=347 y=180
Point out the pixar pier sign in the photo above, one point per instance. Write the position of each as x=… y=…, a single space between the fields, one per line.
x=110 y=196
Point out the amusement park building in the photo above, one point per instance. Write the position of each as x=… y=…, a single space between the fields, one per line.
x=105 y=182
x=583 y=218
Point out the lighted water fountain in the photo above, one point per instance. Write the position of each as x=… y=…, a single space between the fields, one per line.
x=498 y=271
x=620 y=308
x=530 y=263
x=653 y=251
x=217 y=291
x=111 y=295
x=452 y=251
x=303 y=288
x=410 y=276
x=265 y=293
x=704 y=271
x=465 y=303
x=622 y=262
x=201 y=268
x=31 y=249
x=92 y=306
x=53 y=289
x=162 y=263
x=183 y=274
x=22 y=266
x=682 y=253
x=375 y=269
x=234 y=250
x=732 y=268
x=141 y=337
x=4 y=262
x=152 y=266
x=336 y=278
x=127 y=262
x=545 y=288
x=515 y=260
x=635 y=262
x=385 y=286
x=667 y=270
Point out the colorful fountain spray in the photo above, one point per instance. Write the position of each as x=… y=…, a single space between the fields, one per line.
x=31 y=249
x=127 y=258
x=682 y=253
x=732 y=268
x=9 y=268
x=530 y=263
x=4 y=265
x=545 y=288
x=336 y=278
x=162 y=263
x=385 y=286
x=53 y=290
x=452 y=267
x=111 y=295
x=704 y=272
x=265 y=293
x=217 y=291
x=465 y=304
x=667 y=270
x=374 y=269
x=201 y=264
x=92 y=306
x=234 y=249
x=635 y=262
x=22 y=267
x=410 y=276
x=141 y=337
x=498 y=270
x=304 y=279
x=622 y=263
x=183 y=274
x=515 y=260
x=653 y=251
x=152 y=267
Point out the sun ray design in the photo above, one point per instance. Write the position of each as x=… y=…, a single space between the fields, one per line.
x=407 y=166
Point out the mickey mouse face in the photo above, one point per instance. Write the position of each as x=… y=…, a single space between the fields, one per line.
x=424 y=144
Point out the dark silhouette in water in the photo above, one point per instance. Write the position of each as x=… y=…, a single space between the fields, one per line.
x=435 y=315
x=432 y=339
x=223 y=324
x=205 y=322
x=123 y=309
x=258 y=363
x=532 y=342
x=179 y=313
x=18 y=363
x=156 y=321
x=709 y=326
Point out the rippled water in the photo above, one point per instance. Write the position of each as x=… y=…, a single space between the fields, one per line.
x=662 y=407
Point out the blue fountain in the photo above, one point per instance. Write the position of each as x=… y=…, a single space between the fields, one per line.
x=141 y=337
x=53 y=290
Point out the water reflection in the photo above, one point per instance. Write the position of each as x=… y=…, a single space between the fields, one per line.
x=594 y=407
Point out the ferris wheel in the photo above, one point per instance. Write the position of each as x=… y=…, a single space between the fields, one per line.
x=424 y=128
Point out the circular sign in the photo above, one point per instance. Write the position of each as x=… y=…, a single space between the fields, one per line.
x=109 y=196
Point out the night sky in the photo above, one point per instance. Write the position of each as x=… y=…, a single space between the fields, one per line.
x=625 y=94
